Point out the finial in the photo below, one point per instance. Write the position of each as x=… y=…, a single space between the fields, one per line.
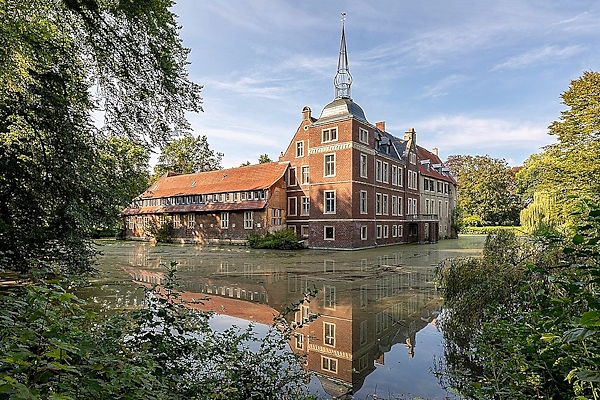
x=343 y=79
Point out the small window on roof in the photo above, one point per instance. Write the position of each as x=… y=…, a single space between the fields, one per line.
x=193 y=183
x=155 y=187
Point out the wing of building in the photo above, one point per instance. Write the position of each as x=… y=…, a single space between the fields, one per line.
x=342 y=183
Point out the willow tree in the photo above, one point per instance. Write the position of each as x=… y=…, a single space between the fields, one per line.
x=62 y=61
x=567 y=171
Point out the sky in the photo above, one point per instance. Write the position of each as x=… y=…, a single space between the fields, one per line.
x=472 y=77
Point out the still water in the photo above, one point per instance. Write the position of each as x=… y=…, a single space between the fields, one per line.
x=377 y=328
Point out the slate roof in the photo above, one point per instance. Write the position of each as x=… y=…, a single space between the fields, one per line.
x=341 y=109
x=424 y=154
x=251 y=177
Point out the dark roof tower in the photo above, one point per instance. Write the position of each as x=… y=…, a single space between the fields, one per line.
x=343 y=79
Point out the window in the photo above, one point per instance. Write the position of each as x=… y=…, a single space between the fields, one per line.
x=412 y=179
x=305 y=205
x=305 y=175
x=236 y=196
x=394 y=175
x=329 y=196
x=400 y=172
x=292 y=205
x=394 y=231
x=190 y=221
x=364 y=296
x=378 y=171
x=363 y=232
x=248 y=220
x=378 y=203
x=329 y=297
x=163 y=220
x=304 y=230
x=399 y=231
x=292 y=177
x=243 y=196
x=363 y=201
x=412 y=158
x=329 y=364
x=276 y=216
x=386 y=231
x=385 y=204
x=363 y=327
x=427 y=206
x=299 y=341
x=394 y=205
x=300 y=149
x=439 y=187
x=400 y=206
x=329 y=334
x=329 y=233
x=385 y=172
x=363 y=166
x=363 y=135
x=329 y=165
x=176 y=221
x=329 y=135
x=225 y=220
x=131 y=222
x=379 y=231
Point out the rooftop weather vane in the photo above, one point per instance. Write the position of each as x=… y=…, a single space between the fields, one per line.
x=343 y=79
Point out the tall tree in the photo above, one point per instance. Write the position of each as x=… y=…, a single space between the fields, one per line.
x=60 y=61
x=486 y=190
x=186 y=156
x=566 y=171
x=264 y=158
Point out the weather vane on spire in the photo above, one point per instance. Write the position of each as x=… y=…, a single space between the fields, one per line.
x=343 y=79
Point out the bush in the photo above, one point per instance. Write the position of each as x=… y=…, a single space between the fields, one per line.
x=162 y=233
x=285 y=239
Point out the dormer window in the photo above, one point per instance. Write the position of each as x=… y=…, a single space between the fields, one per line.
x=193 y=183
x=378 y=142
x=363 y=135
x=388 y=148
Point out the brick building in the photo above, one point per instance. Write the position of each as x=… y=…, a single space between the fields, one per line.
x=342 y=183
x=218 y=206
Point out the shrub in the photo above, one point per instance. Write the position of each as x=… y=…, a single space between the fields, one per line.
x=285 y=239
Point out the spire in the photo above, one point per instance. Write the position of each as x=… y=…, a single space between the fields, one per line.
x=343 y=79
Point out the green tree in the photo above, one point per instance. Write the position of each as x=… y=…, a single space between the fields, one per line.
x=486 y=190
x=60 y=61
x=568 y=169
x=245 y=164
x=187 y=156
x=264 y=158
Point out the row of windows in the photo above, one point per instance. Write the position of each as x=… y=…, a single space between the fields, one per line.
x=304 y=177
x=330 y=135
x=429 y=185
x=202 y=198
x=176 y=220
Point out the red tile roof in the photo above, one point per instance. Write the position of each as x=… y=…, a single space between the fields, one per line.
x=251 y=177
x=206 y=207
x=424 y=154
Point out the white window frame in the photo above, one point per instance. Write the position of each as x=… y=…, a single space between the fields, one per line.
x=329 y=166
x=191 y=221
x=326 y=200
x=225 y=220
x=378 y=170
x=176 y=221
x=363 y=232
x=325 y=232
x=385 y=173
x=300 y=149
x=329 y=334
x=329 y=364
x=364 y=166
x=363 y=202
x=394 y=205
x=386 y=231
x=292 y=206
x=377 y=203
x=394 y=175
x=305 y=174
x=292 y=177
x=384 y=204
x=248 y=219
x=305 y=205
x=363 y=135
x=332 y=135
x=400 y=206
x=304 y=230
x=379 y=231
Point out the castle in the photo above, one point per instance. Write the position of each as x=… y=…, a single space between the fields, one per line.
x=341 y=183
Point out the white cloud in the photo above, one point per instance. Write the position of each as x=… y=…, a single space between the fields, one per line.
x=539 y=55
x=440 y=89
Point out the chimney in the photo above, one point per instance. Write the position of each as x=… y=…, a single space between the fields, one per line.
x=306 y=113
x=435 y=151
x=380 y=125
x=410 y=134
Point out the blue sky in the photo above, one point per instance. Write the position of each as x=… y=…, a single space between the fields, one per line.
x=472 y=77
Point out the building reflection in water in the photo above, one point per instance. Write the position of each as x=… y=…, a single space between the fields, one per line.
x=365 y=306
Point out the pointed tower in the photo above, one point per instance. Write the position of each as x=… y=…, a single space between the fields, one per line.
x=343 y=79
